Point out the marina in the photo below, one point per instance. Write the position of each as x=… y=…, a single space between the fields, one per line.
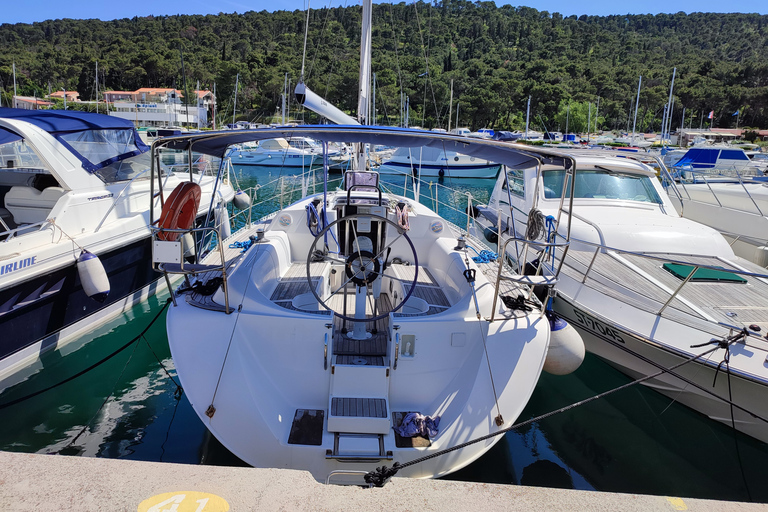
x=636 y=441
x=372 y=305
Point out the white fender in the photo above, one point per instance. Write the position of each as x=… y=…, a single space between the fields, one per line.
x=241 y=200
x=93 y=277
x=221 y=216
x=188 y=245
x=566 y=348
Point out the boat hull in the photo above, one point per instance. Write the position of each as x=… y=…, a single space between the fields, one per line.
x=631 y=353
x=63 y=310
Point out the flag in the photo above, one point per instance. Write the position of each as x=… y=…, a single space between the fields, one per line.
x=711 y=114
x=735 y=113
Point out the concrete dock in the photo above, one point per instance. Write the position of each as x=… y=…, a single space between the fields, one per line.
x=62 y=483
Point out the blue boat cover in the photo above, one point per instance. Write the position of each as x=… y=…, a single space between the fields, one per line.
x=62 y=123
x=7 y=136
x=707 y=158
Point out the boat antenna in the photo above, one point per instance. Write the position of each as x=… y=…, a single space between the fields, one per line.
x=304 y=55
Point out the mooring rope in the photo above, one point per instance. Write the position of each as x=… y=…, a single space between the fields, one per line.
x=382 y=474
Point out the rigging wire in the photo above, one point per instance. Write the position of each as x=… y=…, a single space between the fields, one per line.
x=428 y=79
x=397 y=62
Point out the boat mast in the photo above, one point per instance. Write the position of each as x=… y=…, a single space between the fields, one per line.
x=450 y=107
x=669 y=107
x=234 y=109
x=97 y=87
x=637 y=104
x=285 y=95
x=14 y=84
x=527 y=115
x=364 y=87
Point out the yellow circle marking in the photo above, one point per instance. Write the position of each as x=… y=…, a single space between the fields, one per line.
x=677 y=504
x=184 y=501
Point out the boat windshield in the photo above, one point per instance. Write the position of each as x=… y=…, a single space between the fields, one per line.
x=126 y=169
x=602 y=184
x=101 y=146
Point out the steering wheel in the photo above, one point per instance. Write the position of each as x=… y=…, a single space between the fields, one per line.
x=362 y=267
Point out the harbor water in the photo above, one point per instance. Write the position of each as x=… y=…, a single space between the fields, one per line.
x=90 y=398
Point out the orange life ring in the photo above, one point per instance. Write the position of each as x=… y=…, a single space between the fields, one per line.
x=180 y=210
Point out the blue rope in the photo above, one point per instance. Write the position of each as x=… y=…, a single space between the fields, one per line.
x=245 y=245
x=311 y=210
x=484 y=256
x=550 y=221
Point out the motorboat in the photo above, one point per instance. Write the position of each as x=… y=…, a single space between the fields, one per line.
x=333 y=324
x=733 y=201
x=658 y=296
x=75 y=245
x=720 y=159
x=274 y=152
x=438 y=162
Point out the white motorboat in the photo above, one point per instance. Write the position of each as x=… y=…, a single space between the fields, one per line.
x=733 y=202
x=722 y=159
x=275 y=152
x=438 y=162
x=647 y=289
x=74 y=184
x=332 y=319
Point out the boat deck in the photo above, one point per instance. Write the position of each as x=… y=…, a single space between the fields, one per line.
x=294 y=282
x=644 y=284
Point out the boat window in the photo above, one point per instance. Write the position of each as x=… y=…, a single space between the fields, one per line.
x=733 y=154
x=516 y=182
x=17 y=155
x=601 y=184
x=170 y=162
x=99 y=146
x=126 y=169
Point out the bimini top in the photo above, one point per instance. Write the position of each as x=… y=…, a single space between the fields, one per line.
x=96 y=139
x=216 y=143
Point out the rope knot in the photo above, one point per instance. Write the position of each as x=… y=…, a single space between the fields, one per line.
x=381 y=475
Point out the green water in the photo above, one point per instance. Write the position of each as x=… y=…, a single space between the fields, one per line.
x=634 y=441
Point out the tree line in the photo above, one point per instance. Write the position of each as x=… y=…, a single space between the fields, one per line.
x=496 y=58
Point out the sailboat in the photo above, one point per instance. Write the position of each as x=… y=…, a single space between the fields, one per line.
x=353 y=327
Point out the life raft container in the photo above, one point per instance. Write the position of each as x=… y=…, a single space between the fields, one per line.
x=180 y=210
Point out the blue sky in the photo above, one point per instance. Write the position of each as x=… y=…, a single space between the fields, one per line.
x=29 y=11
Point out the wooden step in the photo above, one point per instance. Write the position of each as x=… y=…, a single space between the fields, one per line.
x=361 y=415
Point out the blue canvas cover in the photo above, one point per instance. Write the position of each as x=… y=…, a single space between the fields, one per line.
x=71 y=127
x=7 y=136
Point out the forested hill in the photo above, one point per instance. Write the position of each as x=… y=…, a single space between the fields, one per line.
x=496 y=57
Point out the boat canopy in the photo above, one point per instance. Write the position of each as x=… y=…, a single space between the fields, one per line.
x=711 y=157
x=274 y=144
x=216 y=143
x=97 y=140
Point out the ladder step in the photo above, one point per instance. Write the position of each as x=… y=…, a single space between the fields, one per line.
x=359 y=407
x=359 y=415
